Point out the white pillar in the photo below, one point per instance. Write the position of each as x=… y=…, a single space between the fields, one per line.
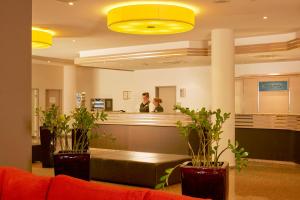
x=222 y=76
x=69 y=88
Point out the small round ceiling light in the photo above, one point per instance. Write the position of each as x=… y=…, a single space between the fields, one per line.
x=41 y=38
x=151 y=19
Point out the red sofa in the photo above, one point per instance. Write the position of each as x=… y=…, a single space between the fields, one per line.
x=19 y=185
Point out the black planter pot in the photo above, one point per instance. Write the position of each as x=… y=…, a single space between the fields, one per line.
x=203 y=182
x=80 y=136
x=48 y=144
x=72 y=164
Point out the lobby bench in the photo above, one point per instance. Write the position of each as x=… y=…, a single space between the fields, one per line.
x=133 y=168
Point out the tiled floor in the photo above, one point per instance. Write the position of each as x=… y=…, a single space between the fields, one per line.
x=260 y=181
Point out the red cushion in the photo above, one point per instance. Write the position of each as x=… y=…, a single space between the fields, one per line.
x=17 y=185
x=158 y=195
x=2 y=171
x=64 y=187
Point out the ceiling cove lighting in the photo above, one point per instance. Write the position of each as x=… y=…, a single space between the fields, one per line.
x=151 y=18
x=41 y=38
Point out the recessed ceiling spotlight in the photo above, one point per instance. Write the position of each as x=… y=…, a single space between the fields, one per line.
x=73 y=40
x=265 y=17
x=48 y=61
x=273 y=74
x=221 y=1
x=69 y=2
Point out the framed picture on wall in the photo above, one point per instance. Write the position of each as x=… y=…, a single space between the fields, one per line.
x=126 y=95
x=182 y=92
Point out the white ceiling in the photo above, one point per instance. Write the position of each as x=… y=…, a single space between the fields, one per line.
x=83 y=26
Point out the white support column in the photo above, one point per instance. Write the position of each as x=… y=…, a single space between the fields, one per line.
x=222 y=76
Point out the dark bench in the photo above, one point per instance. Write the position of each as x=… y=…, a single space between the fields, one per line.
x=133 y=168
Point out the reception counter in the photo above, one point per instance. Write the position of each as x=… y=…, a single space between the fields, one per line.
x=146 y=132
x=145 y=119
x=265 y=136
x=269 y=136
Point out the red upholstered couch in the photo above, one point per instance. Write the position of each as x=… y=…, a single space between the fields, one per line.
x=19 y=185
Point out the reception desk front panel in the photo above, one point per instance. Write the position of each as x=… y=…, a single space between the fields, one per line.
x=265 y=136
x=269 y=136
x=156 y=133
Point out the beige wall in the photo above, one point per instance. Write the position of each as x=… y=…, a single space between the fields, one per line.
x=103 y=83
x=196 y=81
x=46 y=76
x=15 y=83
x=295 y=94
x=111 y=84
x=269 y=101
x=239 y=92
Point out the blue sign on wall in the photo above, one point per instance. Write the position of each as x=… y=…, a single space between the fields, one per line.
x=273 y=86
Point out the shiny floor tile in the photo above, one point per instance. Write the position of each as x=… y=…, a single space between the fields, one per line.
x=260 y=181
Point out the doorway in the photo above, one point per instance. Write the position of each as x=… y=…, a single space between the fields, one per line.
x=54 y=96
x=168 y=96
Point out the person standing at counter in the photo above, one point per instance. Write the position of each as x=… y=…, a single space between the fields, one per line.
x=158 y=107
x=144 y=107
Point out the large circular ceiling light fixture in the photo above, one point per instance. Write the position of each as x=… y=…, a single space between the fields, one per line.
x=151 y=18
x=41 y=38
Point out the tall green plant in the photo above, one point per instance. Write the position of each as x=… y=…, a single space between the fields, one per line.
x=63 y=131
x=58 y=124
x=84 y=122
x=49 y=117
x=207 y=125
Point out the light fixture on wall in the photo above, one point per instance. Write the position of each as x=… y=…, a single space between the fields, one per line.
x=151 y=18
x=41 y=38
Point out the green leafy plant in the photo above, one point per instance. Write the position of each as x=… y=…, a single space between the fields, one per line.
x=83 y=124
x=207 y=125
x=58 y=125
x=63 y=131
x=49 y=117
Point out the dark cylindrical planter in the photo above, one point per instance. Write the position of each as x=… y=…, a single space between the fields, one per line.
x=80 y=136
x=73 y=164
x=48 y=145
x=203 y=182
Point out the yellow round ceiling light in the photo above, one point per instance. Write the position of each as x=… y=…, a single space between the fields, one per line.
x=41 y=38
x=151 y=19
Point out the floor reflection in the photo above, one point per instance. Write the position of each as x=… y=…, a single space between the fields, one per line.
x=260 y=181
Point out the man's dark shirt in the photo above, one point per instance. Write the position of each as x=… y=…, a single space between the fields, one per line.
x=144 y=107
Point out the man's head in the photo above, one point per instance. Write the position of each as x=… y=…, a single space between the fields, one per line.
x=145 y=96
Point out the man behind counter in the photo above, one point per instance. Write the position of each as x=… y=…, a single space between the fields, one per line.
x=144 y=107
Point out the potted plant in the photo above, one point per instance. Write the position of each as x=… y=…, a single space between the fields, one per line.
x=205 y=176
x=74 y=159
x=48 y=134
